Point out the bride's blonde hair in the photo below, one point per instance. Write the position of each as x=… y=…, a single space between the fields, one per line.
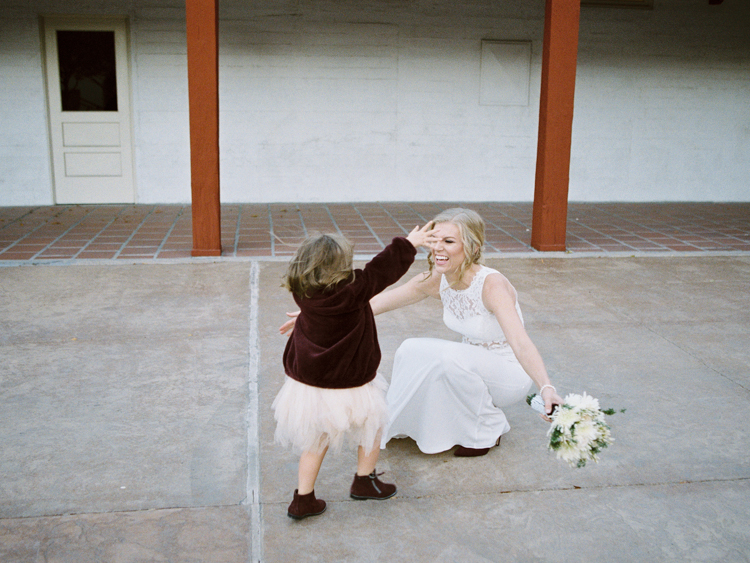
x=471 y=227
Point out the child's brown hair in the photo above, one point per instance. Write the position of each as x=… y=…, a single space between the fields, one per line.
x=320 y=262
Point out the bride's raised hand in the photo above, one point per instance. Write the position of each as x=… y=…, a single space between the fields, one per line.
x=289 y=325
x=421 y=236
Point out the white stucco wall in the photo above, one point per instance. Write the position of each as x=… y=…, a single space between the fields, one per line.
x=333 y=106
x=25 y=170
x=160 y=94
x=372 y=100
x=663 y=104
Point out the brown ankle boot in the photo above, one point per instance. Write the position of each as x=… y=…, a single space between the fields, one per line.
x=370 y=487
x=305 y=505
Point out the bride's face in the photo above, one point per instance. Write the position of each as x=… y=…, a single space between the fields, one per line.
x=448 y=251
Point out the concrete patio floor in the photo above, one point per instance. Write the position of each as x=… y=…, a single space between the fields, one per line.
x=135 y=421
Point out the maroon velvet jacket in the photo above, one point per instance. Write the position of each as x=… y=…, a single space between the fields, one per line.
x=334 y=343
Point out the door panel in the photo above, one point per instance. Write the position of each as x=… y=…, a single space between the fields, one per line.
x=91 y=134
x=94 y=164
x=89 y=110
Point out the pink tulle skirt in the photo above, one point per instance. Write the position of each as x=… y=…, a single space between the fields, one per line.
x=310 y=419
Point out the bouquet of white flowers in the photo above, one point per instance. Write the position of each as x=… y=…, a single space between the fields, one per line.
x=578 y=431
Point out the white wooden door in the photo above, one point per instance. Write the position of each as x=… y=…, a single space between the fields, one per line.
x=89 y=110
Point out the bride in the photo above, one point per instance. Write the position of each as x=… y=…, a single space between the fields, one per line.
x=445 y=393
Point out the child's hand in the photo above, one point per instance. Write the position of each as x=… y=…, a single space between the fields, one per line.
x=289 y=325
x=421 y=237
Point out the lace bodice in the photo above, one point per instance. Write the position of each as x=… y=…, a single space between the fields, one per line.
x=464 y=312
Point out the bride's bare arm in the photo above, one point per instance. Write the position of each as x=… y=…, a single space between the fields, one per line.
x=413 y=291
x=499 y=297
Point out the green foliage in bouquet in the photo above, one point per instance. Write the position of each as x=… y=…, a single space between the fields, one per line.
x=578 y=432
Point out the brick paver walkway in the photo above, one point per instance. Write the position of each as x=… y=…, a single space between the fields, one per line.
x=273 y=230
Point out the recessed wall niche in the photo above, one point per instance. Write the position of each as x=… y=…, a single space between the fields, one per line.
x=505 y=72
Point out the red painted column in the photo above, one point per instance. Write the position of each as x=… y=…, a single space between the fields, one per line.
x=559 y=60
x=203 y=89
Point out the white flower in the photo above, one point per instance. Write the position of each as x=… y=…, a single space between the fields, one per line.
x=569 y=452
x=573 y=399
x=586 y=432
x=565 y=418
x=588 y=403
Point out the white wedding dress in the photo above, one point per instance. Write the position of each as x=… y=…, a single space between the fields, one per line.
x=445 y=393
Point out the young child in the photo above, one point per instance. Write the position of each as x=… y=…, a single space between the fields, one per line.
x=332 y=388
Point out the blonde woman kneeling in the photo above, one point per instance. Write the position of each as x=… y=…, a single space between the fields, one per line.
x=444 y=393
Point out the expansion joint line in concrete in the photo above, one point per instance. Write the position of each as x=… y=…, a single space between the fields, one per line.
x=252 y=498
x=404 y=498
x=149 y=510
